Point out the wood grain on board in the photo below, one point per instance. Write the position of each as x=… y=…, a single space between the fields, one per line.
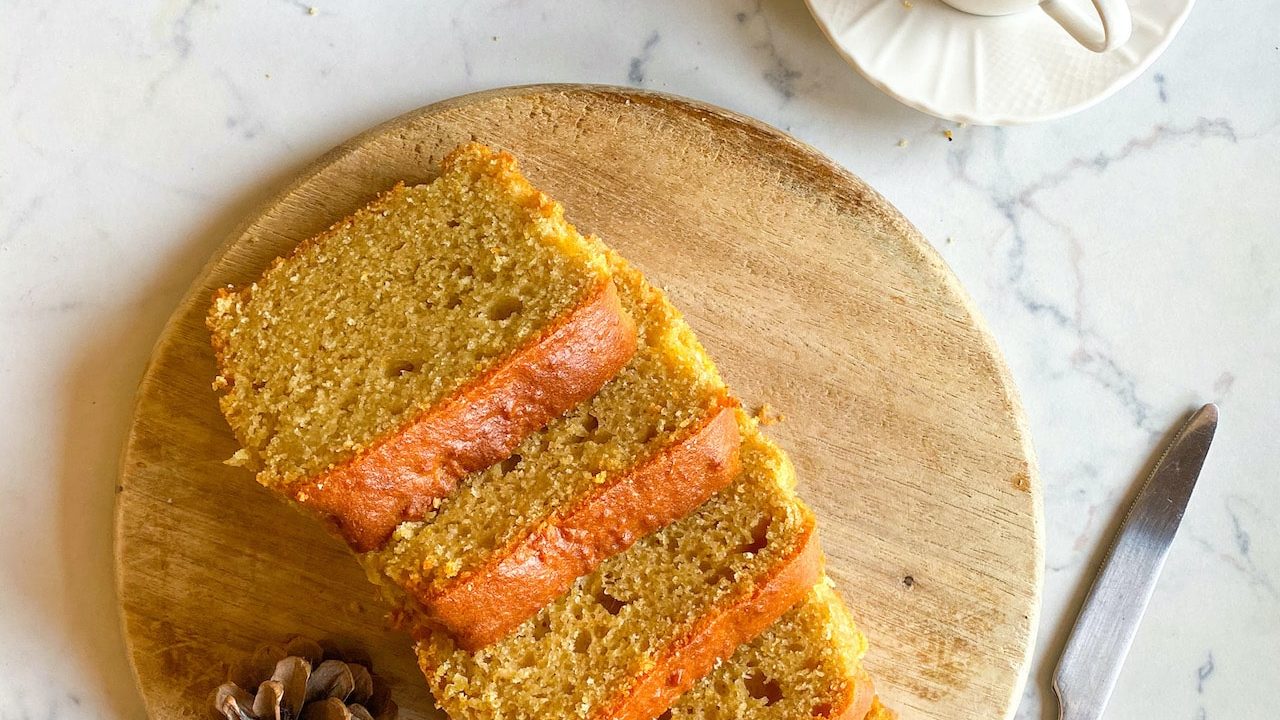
x=811 y=292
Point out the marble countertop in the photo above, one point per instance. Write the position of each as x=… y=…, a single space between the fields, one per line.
x=1127 y=259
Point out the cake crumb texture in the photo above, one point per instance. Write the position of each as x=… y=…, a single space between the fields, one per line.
x=581 y=653
x=806 y=665
x=669 y=389
x=392 y=310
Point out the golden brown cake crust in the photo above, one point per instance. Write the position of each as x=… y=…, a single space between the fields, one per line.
x=718 y=633
x=859 y=700
x=484 y=604
x=402 y=476
x=876 y=711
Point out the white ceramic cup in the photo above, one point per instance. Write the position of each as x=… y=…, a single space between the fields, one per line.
x=1117 y=23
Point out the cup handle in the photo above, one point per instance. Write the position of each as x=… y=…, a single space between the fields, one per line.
x=1117 y=24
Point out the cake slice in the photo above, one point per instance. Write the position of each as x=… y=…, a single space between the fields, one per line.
x=806 y=665
x=630 y=638
x=655 y=442
x=419 y=340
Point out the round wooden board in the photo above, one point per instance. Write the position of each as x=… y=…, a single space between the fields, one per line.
x=812 y=293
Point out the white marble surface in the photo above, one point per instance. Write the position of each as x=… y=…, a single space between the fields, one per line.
x=1127 y=258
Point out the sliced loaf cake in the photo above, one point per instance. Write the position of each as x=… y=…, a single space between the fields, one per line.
x=417 y=341
x=630 y=638
x=806 y=665
x=649 y=448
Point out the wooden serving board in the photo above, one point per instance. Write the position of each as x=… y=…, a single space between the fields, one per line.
x=812 y=293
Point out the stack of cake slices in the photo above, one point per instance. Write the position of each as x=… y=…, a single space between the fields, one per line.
x=537 y=463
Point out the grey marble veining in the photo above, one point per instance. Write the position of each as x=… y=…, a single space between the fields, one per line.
x=1127 y=259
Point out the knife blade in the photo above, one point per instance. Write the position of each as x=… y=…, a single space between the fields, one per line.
x=1104 y=630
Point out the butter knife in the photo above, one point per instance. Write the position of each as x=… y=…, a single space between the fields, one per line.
x=1104 y=630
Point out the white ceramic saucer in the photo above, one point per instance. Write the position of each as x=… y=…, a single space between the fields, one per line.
x=989 y=70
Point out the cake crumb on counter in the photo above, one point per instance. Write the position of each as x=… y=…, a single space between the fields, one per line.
x=765 y=415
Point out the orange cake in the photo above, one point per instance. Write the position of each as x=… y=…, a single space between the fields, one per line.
x=538 y=464
x=650 y=447
x=806 y=665
x=627 y=640
x=419 y=340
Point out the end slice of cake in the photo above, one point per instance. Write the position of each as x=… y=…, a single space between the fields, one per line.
x=806 y=665
x=631 y=637
x=657 y=440
x=417 y=341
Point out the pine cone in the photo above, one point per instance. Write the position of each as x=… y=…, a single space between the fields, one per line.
x=297 y=682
